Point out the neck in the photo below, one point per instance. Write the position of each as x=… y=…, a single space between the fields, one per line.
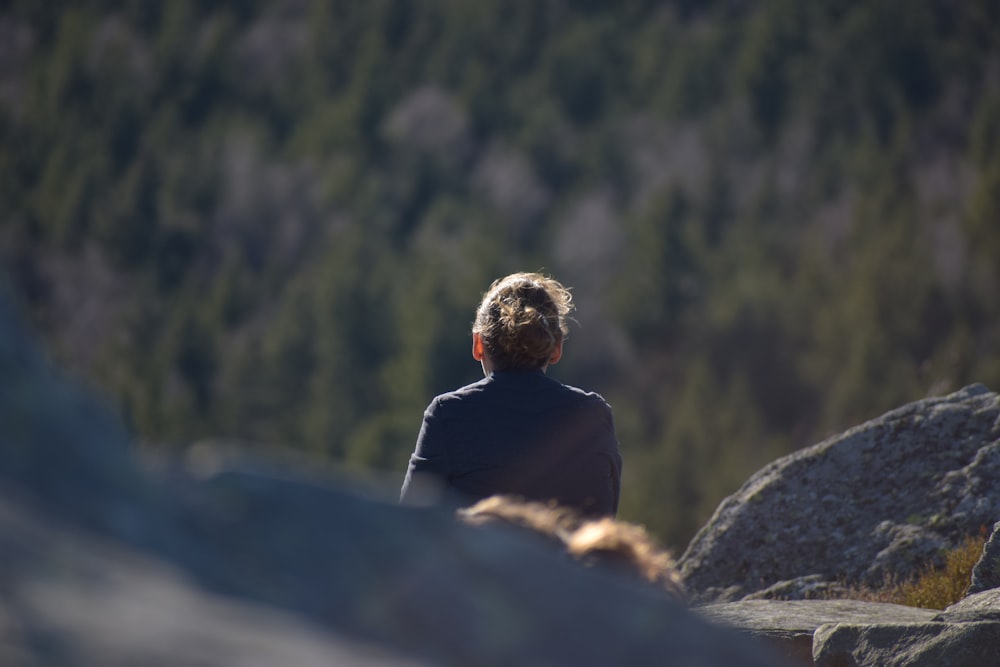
x=491 y=369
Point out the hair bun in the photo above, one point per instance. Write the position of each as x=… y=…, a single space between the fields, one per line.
x=522 y=319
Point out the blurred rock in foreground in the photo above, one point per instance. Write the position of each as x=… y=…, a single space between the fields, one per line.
x=102 y=562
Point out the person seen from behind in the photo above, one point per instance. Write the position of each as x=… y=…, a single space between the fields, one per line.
x=518 y=431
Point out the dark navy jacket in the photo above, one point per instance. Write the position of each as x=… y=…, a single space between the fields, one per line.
x=520 y=433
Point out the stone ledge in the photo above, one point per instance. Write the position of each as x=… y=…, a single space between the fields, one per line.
x=854 y=633
x=804 y=616
x=971 y=644
x=788 y=626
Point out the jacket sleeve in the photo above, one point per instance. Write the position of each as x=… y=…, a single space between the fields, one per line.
x=429 y=468
x=615 y=462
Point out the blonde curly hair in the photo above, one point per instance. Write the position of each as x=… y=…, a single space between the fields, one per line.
x=593 y=542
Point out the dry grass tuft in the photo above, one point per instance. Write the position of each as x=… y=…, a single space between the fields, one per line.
x=933 y=588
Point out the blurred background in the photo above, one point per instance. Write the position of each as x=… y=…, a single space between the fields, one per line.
x=270 y=222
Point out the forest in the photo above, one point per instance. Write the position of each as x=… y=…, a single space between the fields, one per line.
x=271 y=222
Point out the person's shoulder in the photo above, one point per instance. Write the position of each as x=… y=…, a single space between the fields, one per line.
x=585 y=396
x=462 y=394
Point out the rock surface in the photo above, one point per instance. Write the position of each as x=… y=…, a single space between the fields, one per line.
x=789 y=624
x=68 y=597
x=982 y=606
x=795 y=617
x=986 y=573
x=884 y=499
x=97 y=554
x=851 y=633
x=809 y=587
x=973 y=644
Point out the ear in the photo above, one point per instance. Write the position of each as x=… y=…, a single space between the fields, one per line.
x=556 y=353
x=477 y=347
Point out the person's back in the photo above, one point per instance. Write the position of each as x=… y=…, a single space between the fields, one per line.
x=517 y=431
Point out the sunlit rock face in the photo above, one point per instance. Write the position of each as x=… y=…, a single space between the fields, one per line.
x=986 y=573
x=887 y=497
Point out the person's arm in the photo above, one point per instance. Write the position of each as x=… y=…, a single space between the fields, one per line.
x=427 y=474
x=614 y=461
x=605 y=462
x=616 y=484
